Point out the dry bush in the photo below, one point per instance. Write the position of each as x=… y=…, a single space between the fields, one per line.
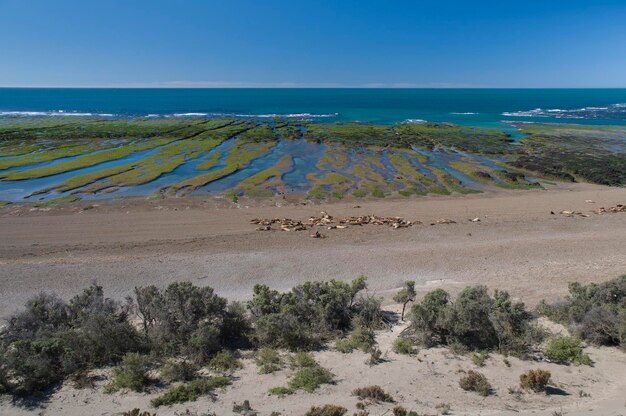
x=137 y=412
x=475 y=381
x=374 y=393
x=535 y=380
x=327 y=410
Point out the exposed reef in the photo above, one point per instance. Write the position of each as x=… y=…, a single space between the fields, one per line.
x=41 y=159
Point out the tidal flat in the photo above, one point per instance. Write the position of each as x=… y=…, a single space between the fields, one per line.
x=89 y=158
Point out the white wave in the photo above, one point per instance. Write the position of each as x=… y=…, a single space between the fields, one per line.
x=415 y=121
x=467 y=113
x=190 y=114
x=613 y=111
x=64 y=113
x=288 y=115
x=22 y=113
x=269 y=115
x=537 y=112
x=56 y=113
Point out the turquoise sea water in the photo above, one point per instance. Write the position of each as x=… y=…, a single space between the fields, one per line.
x=475 y=107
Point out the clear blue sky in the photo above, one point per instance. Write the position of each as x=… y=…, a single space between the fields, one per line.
x=549 y=43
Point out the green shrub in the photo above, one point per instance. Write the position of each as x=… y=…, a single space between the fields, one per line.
x=131 y=373
x=535 y=380
x=475 y=321
x=361 y=339
x=281 y=391
x=189 y=319
x=327 y=410
x=310 y=314
x=225 y=362
x=597 y=311
x=567 y=350
x=268 y=360
x=302 y=360
x=203 y=343
x=479 y=358
x=373 y=393
x=404 y=346
x=477 y=382
x=177 y=371
x=378 y=193
x=310 y=378
x=51 y=339
x=191 y=391
x=368 y=313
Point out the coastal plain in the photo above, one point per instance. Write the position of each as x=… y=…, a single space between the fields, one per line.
x=133 y=203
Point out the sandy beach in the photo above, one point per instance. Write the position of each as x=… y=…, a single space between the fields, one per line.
x=518 y=244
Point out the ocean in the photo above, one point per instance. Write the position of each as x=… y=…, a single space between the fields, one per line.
x=472 y=107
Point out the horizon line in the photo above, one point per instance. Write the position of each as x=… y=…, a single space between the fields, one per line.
x=309 y=87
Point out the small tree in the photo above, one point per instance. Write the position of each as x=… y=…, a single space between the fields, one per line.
x=405 y=295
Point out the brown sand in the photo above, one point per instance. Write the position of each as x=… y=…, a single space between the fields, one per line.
x=518 y=246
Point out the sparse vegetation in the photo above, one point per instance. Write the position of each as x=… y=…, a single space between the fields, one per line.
x=359 y=339
x=173 y=371
x=280 y=391
x=404 y=346
x=268 y=360
x=302 y=360
x=479 y=358
x=225 y=362
x=191 y=391
x=310 y=378
x=184 y=326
